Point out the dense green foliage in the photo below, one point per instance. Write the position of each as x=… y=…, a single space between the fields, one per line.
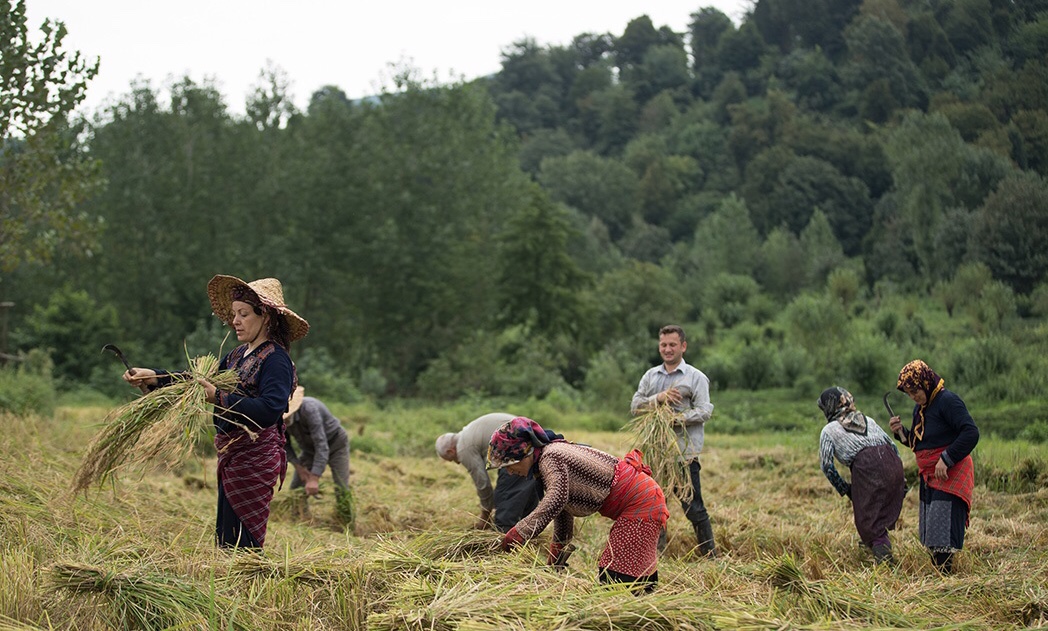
x=818 y=194
x=44 y=172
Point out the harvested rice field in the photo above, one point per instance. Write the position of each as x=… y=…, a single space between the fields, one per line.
x=137 y=553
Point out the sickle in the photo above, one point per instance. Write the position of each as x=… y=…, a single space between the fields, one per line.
x=888 y=406
x=112 y=348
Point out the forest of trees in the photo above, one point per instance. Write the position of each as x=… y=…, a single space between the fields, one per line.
x=791 y=189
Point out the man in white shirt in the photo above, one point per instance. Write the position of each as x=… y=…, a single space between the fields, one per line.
x=687 y=391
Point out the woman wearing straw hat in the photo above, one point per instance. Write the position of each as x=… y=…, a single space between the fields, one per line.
x=249 y=432
x=579 y=481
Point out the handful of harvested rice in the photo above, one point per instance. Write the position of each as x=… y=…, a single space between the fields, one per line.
x=657 y=440
x=159 y=427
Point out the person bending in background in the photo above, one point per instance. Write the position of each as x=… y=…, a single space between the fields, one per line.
x=579 y=481
x=687 y=390
x=513 y=496
x=249 y=468
x=321 y=441
x=877 y=485
x=942 y=438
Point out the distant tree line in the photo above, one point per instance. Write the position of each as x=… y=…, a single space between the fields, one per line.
x=790 y=188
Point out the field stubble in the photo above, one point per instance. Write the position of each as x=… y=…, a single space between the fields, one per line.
x=138 y=553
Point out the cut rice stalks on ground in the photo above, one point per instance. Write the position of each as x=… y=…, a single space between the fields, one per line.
x=149 y=600
x=823 y=598
x=656 y=438
x=319 y=565
x=160 y=427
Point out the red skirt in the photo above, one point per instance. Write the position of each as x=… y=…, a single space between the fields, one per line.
x=638 y=506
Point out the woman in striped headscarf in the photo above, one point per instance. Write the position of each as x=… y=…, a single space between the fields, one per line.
x=942 y=438
x=877 y=486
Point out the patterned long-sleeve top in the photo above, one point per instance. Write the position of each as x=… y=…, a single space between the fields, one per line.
x=835 y=441
x=577 y=479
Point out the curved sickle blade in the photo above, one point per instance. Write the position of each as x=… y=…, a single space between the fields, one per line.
x=112 y=348
x=888 y=406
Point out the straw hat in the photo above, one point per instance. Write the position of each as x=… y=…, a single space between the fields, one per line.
x=269 y=292
x=295 y=401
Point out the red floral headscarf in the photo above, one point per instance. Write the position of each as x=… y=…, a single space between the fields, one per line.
x=514 y=440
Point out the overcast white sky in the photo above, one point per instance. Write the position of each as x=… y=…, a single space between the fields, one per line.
x=346 y=43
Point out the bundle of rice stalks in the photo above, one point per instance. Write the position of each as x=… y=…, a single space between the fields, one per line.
x=436 y=552
x=318 y=565
x=141 y=600
x=345 y=512
x=539 y=601
x=823 y=597
x=656 y=438
x=159 y=427
x=455 y=545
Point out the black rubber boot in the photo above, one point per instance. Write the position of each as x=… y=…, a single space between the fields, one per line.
x=943 y=561
x=704 y=535
x=882 y=553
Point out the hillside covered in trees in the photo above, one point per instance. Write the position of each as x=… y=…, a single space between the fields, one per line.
x=821 y=192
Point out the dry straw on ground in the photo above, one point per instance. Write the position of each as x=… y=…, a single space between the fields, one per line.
x=148 y=600
x=159 y=427
x=790 y=558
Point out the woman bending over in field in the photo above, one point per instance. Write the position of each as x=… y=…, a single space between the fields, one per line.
x=249 y=467
x=877 y=484
x=942 y=438
x=579 y=481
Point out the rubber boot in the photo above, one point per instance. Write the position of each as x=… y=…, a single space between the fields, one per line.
x=704 y=535
x=662 y=540
x=882 y=553
x=943 y=561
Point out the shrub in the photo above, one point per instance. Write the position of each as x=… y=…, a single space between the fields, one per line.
x=756 y=367
x=980 y=361
x=322 y=376
x=1036 y=432
x=813 y=322
x=508 y=364
x=720 y=370
x=73 y=327
x=612 y=377
x=28 y=388
x=794 y=364
x=994 y=307
x=844 y=285
x=869 y=364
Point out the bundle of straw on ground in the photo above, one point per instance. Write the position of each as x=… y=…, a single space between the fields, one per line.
x=149 y=600
x=318 y=565
x=160 y=427
x=822 y=599
x=436 y=552
x=656 y=439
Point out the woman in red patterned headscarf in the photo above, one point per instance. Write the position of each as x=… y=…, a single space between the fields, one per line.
x=579 y=481
x=942 y=438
